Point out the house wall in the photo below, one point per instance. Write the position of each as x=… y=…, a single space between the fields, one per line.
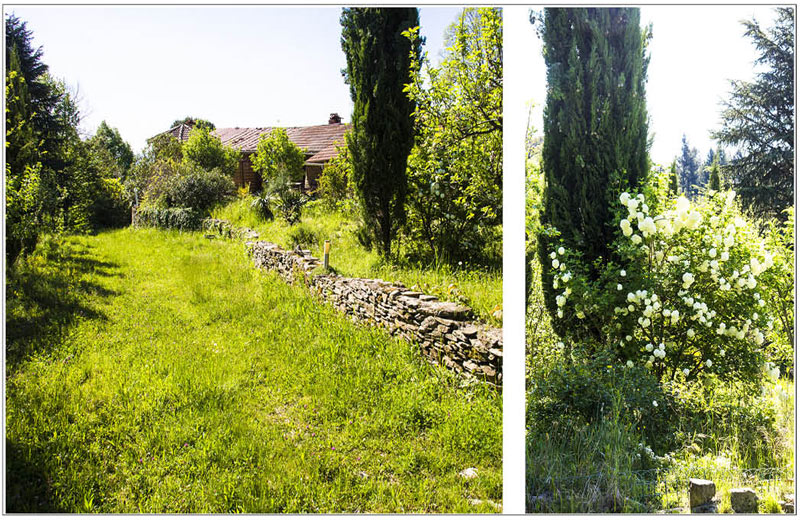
x=312 y=177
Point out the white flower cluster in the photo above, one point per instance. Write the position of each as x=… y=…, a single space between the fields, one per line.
x=772 y=372
x=691 y=255
x=564 y=277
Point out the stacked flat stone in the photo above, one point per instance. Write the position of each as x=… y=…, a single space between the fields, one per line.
x=445 y=331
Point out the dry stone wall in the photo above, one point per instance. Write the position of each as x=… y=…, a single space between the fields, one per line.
x=445 y=331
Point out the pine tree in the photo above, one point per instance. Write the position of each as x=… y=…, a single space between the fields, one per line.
x=759 y=120
x=714 y=179
x=595 y=126
x=673 y=177
x=688 y=169
x=378 y=68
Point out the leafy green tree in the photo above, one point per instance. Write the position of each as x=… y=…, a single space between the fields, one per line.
x=379 y=57
x=335 y=184
x=207 y=151
x=195 y=122
x=46 y=189
x=455 y=195
x=115 y=154
x=688 y=169
x=759 y=120
x=44 y=94
x=595 y=127
x=275 y=153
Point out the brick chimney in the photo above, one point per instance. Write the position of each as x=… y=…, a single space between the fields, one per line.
x=335 y=119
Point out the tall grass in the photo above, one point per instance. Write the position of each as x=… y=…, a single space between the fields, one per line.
x=153 y=371
x=479 y=287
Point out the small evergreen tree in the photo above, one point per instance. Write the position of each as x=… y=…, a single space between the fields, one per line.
x=378 y=64
x=673 y=177
x=714 y=180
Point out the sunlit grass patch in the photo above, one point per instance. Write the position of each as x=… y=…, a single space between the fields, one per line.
x=171 y=376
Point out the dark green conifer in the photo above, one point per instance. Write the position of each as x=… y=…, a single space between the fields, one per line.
x=595 y=125
x=378 y=68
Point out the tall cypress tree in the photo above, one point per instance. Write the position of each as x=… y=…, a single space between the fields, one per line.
x=595 y=125
x=378 y=68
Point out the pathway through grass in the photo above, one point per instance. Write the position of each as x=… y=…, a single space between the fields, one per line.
x=159 y=372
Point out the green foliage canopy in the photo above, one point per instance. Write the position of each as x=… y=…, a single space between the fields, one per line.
x=115 y=153
x=455 y=191
x=276 y=153
x=207 y=151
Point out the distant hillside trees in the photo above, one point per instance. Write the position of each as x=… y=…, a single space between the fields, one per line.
x=595 y=126
x=759 y=120
x=378 y=63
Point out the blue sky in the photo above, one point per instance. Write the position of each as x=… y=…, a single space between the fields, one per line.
x=140 y=68
x=695 y=50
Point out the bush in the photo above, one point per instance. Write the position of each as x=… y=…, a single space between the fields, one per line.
x=110 y=208
x=335 y=189
x=260 y=206
x=578 y=394
x=207 y=151
x=286 y=200
x=686 y=294
x=304 y=237
x=184 y=219
x=200 y=189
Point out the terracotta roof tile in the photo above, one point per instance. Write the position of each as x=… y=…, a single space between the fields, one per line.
x=312 y=139
x=319 y=142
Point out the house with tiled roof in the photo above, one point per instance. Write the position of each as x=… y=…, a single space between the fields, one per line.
x=319 y=143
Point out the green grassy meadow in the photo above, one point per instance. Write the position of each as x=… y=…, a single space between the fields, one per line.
x=476 y=286
x=153 y=371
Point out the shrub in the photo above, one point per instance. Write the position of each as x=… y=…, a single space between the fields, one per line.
x=575 y=395
x=207 y=151
x=335 y=188
x=686 y=293
x=110 y=207
x=287 y=200
x=200 y=189
x=184 y=219
x=304 y=237
x=261 y=206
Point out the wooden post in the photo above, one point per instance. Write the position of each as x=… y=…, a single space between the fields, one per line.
x=326 y=250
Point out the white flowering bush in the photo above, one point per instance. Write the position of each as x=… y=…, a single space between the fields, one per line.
x=685 y=295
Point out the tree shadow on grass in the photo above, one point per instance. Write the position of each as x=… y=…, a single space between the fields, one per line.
x=46 y=297
x=28 y=489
